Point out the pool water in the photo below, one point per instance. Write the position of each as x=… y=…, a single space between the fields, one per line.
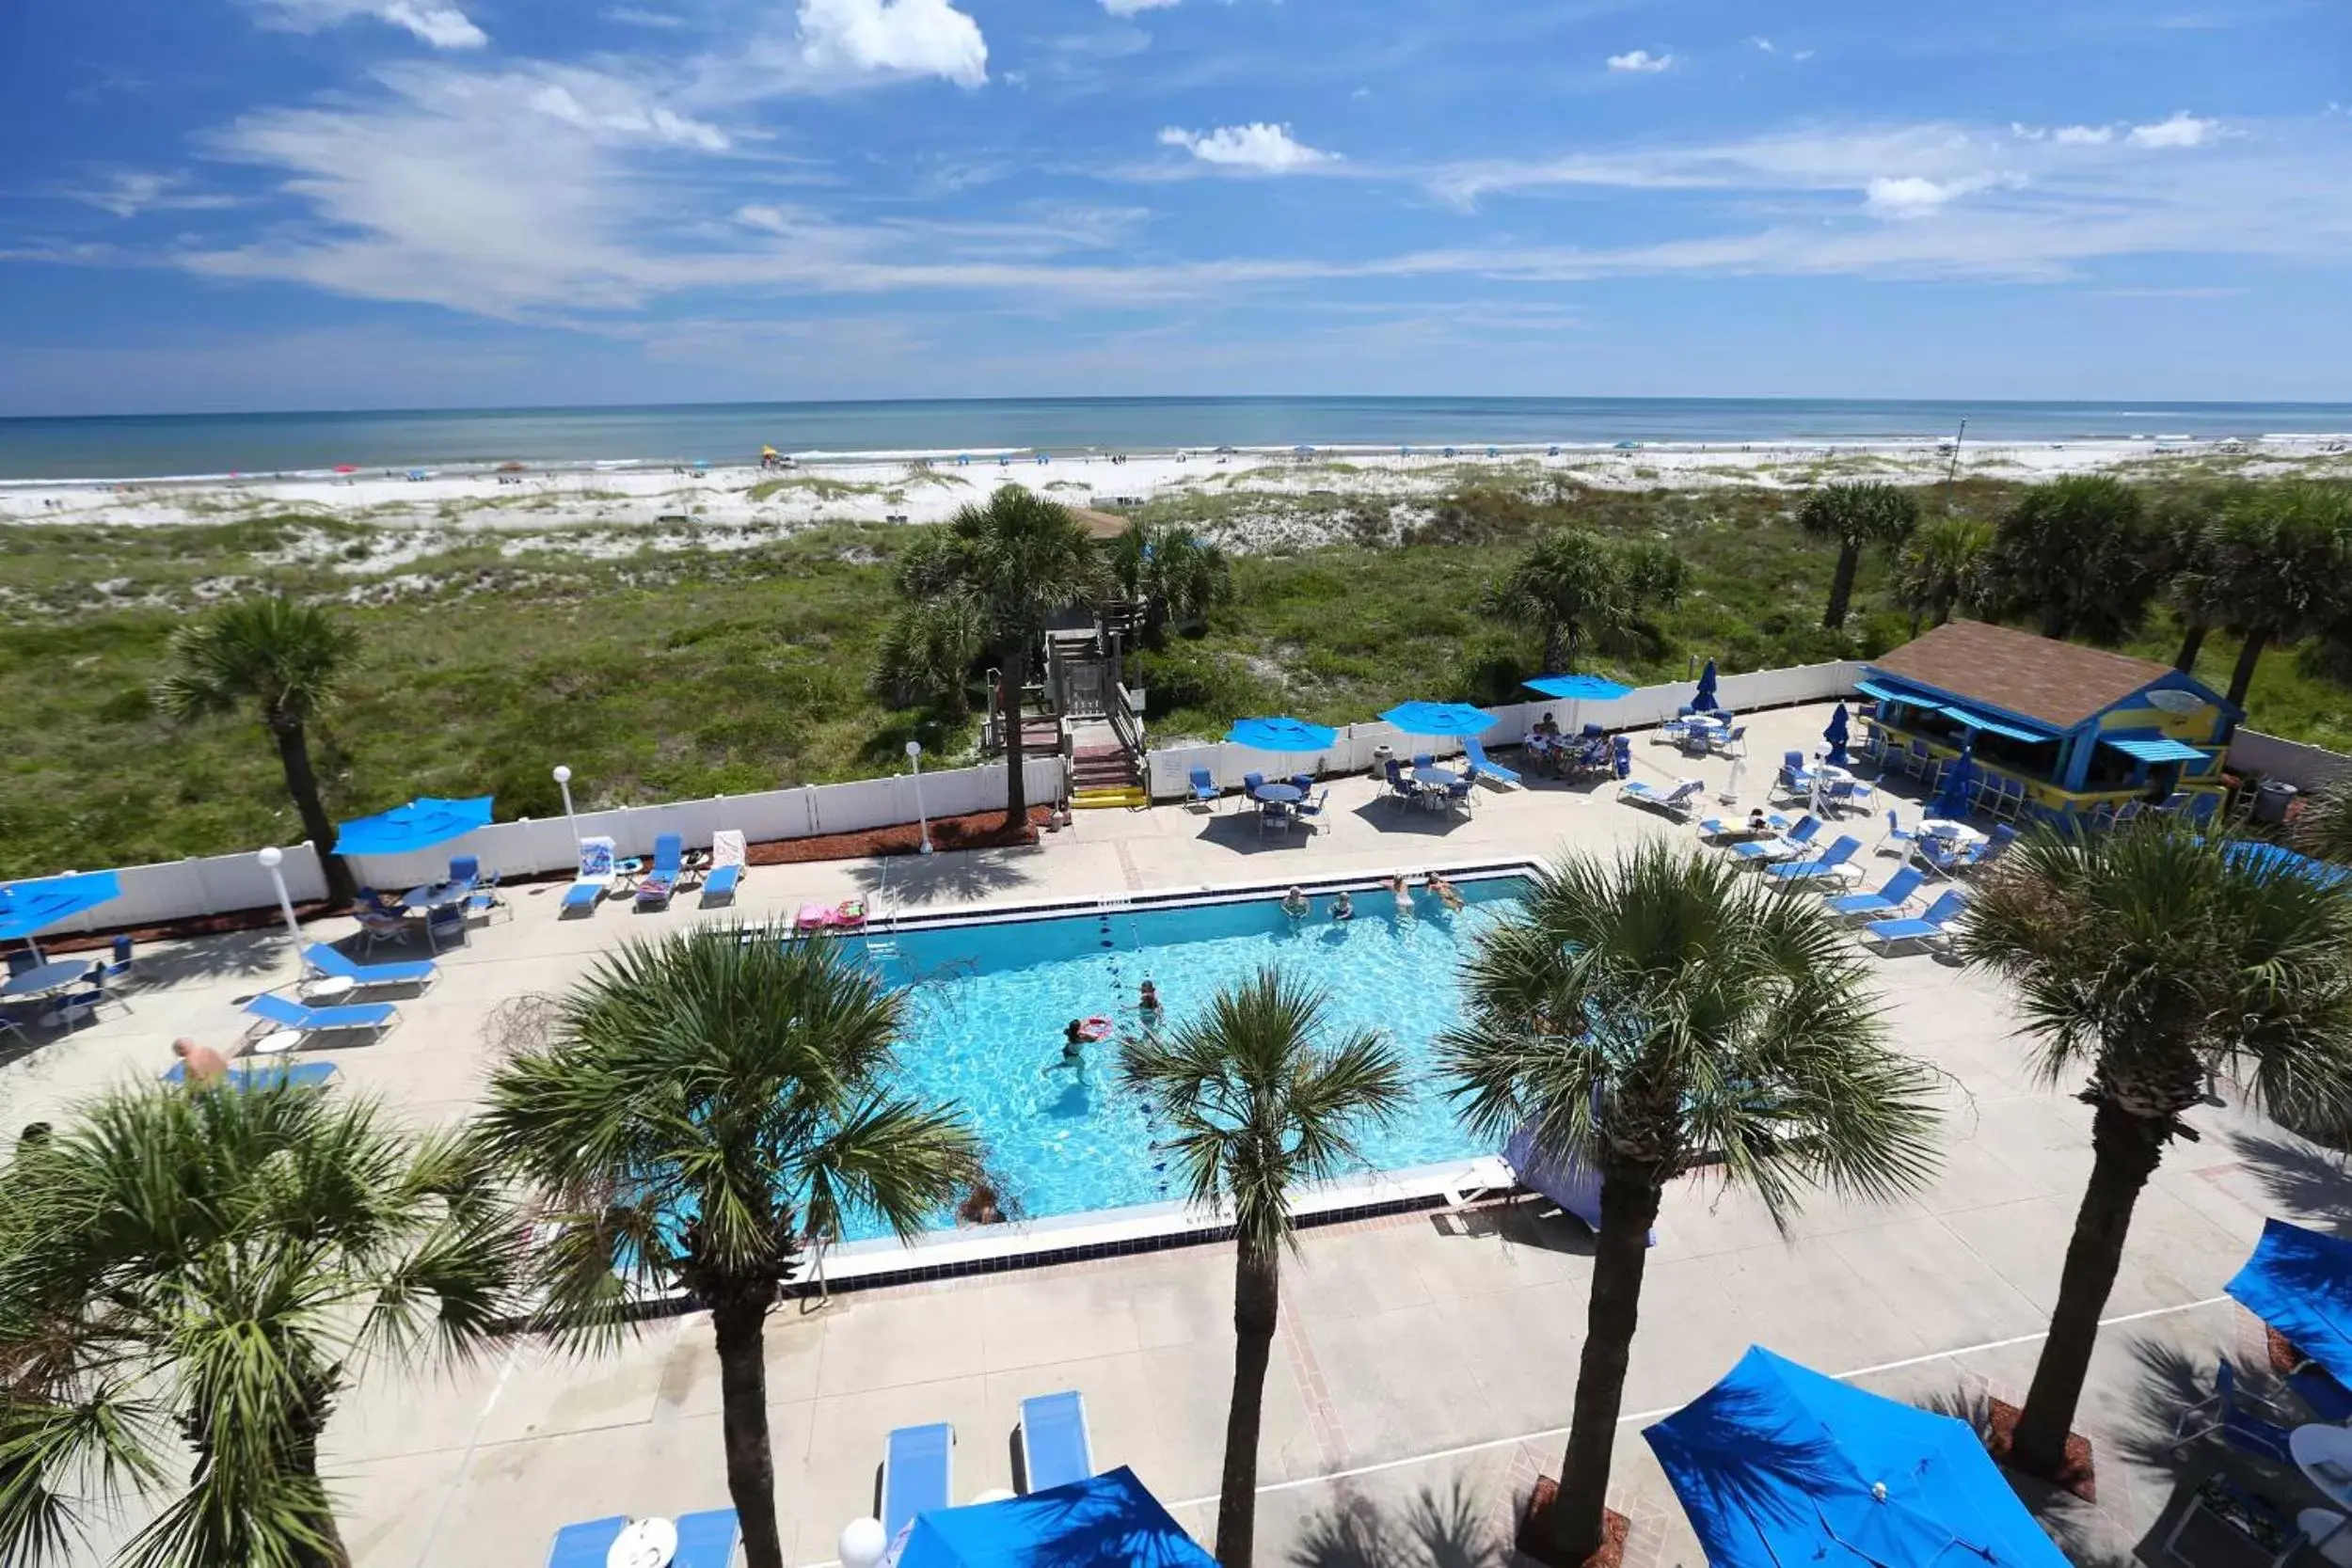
x=987 y=1006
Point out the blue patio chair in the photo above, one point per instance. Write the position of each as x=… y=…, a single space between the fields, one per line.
x=485 y=902
x=1302 y=781
x=1485 y=766
x=1934 y=924
x=1794 y=782
x=445 y=922
x=1203 y=785
x=1886 y=902
x=74 y=1006
x=661 y=880
x=21 y=961
x=380 y=926
x=918 y=1473
x=1251 y=782
x=707 y=1539
x=279 y=1012
x=1273 y=816
x=1787 y=846
x=1730 y=743
x=1317 y=813
x=1400 y=789
x=2236 y=1420
x=330 y=961
x=2318 y=1389
x=1898 y=837
x=1458 y=793
x=1424 y=759
x=465 y=869
x=1797 y=873
x=1056 y=1449
x=585 y=1546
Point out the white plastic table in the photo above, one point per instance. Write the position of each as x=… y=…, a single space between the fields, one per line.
x=2330 y=1533
x=328 y=988
x=277 y=1044
x=643 y=1543
x=2324 y=1454
x=1958 y=833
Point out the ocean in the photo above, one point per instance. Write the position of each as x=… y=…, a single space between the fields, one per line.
x=207 y=444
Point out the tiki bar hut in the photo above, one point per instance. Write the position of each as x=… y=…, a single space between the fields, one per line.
x=2055 y=728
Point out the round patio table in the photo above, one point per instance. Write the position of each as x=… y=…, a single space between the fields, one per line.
x=1958 y=833
x=1436 y=778
x=53 y=976
x=328 y=988
x=437 y=895
x=1279 y=794
x=2324 y=1454
x=643 y=1543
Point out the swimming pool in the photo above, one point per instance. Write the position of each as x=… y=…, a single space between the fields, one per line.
x=988 y=1002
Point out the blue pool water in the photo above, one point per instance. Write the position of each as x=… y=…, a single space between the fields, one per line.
x=989 y=1004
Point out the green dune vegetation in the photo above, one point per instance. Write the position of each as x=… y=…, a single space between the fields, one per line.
x=659 y=667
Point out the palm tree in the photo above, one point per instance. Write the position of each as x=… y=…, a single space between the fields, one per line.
x=2324 y=826
x=1180 y=577
x=203 y=1272
x=697 y=1104
x=1013 y=562
x=2274 y=566
x=1643 y=1014
x=1855 y=516
x=2078 y=554
x=2146 y=959
x=1261 y=1104
x=1573 y=585
x=927 y=653
x=1936 y=571
x=287 y=660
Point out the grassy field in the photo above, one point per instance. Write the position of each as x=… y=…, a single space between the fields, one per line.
x=659 y=673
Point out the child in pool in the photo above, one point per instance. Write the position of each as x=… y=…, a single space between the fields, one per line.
x=1297 y=904
x=1148 y=1004
x=1073 y=1041
x=1343 y=906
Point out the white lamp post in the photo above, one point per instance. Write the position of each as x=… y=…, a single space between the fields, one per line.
x=270 y=856
x=563 y=783
x=915 y=759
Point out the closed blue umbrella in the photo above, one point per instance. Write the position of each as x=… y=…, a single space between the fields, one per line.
x=1705 y=701
x=1451 y=719
x=1960 y=781
x=2299 y=1282
x=1109 y=1518
x=419 y=825
x=1835 y=735
x=1280 y=735
x=1778 y=1464
x=29 y=908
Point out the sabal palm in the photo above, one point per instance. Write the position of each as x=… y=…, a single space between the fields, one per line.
x=1854 y=516
x=700 y=1103
x=1936 y=571
x=927 y=653
x=2079 y=555
x=209 y=1268
x=1570 y=583
x=2143 y=959
x=1179 y=575
x=1261 y=1104
x=2272 y=567
x=287 y=661
x=1642 y=1014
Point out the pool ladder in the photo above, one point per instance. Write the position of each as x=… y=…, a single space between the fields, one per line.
x=885 y=943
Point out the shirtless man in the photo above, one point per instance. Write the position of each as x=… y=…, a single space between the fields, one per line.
x=200 y=1064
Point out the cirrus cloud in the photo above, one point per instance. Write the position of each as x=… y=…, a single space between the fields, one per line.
x=443 y=26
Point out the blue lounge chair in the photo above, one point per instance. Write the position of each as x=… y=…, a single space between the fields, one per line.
x=1787 y=846
x=918 y=1470
x=727 y=866
x=1886 y=902
x=1055 y=1448
x=595 y=874
x=280 y=1012
x=1933 y=925
x=669 y=857
x=263 y=1074
x=1675 y=802
x=585 y=1546
x=1203 y=785
x=330 y=961
x=707 y=1539
x=1485 y=766
x=1796 y=873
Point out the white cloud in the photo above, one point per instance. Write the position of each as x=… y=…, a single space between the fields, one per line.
x=1640 y=60
x=2182 y=129
x=443 y=26
x=624 y=114
x=127 y=193
x=1129 y=8
x=1268 y=149
x=629 y=16
x=1911 y=196
x=1763 y=43
x=1801 y=55
x=892 y=38
x=2083 y=136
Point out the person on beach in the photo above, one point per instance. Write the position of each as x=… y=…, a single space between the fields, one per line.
x=1297 y=904
x=1343 y=906
x=199 y=1062
x=1402 y=894
x=1446 y=894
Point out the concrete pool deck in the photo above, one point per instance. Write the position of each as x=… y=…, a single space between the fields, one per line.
x=1426 y=1360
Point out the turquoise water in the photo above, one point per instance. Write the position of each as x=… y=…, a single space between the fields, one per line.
x=989 y=1005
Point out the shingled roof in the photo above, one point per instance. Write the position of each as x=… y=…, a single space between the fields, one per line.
x=2060 y=683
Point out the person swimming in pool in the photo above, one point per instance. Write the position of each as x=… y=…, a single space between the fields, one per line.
x=1148 y=1004
x=1343 y=906
x=1447 y=894
x=1073 y=1041
x=1297 y=904
x=1402 y=894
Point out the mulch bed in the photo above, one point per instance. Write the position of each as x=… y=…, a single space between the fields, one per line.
x=1615 y=1528
x=2074 y=1473
x=979 y=829
x=2285 y=1357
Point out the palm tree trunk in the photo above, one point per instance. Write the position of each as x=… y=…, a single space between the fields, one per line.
x=1572 y=1529
x=2125 y=1151
x=2192 y=643
x=293 y=755
x=325 y=1549
x=739 y=1328
x=1842 y=585
x=1013 y=670
x=2248 y=657
x=1551 y=647
x=1257 y=1300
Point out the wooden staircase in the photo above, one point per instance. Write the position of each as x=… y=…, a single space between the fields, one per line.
x=1104 y=776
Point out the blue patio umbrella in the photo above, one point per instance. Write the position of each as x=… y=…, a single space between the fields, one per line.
x=1954 y=794
x=1280 y=735
x=1705 y=701
x=29 y=908
x=1109 y=1518
x=1455 y=719
x=419 y=825
x=1779 y=1464
x=2299 y=1282
x=1835 y=735
x=1578 y=689
x=2285 y=861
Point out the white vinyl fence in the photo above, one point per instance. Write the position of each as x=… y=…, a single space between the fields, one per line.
x=218 y=884
x=2307 y=767
x=1169 y=769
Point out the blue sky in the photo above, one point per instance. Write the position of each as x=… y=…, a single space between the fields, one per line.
x=226 y=204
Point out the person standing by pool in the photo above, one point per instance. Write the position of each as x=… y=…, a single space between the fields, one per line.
x=1343 y=906
x=1297 y=905
x=1148 y=1004
x=1073 y=1041
x=200 y=1064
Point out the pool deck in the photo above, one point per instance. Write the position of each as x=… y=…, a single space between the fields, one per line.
x=1426 y=1360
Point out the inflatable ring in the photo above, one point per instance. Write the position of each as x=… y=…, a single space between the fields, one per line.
x=1096 y=1028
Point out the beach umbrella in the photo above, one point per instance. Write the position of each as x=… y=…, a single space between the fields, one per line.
x=1705 y=701
x=2299 y=1282
x=1109 y=1518
x=346 y=468
x=1953 y=795
x=1453 y=718
x=1576 y=691
x=29 y=908
x=1280 y=735
x=419 y=825
x=1302 y=449
x=1835 y=735
x=1779 y=1464
x=2285 y=861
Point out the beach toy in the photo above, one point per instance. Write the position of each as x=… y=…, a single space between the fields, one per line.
x=1096 y=1028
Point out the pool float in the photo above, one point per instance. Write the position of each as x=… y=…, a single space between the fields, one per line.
x=848 y=915
x=1096 y=1028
